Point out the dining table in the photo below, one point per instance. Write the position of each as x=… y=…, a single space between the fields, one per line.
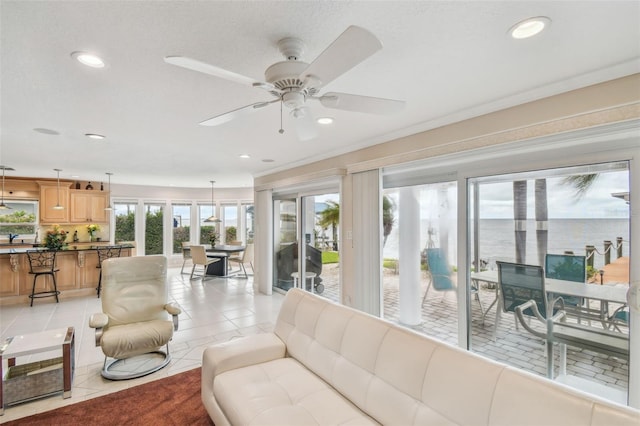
x=222 y=252
x=605 y=294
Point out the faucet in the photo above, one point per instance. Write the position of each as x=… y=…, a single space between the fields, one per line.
x=12 y=237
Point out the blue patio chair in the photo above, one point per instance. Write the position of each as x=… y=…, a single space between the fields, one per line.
x=568 y=267
x=440 y=274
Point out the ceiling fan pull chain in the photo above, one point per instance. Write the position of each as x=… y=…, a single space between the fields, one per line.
x=281 y=131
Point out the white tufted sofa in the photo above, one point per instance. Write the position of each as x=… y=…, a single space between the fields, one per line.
x=327 y=364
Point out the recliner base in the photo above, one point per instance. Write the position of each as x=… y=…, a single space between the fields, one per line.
x=134 y=367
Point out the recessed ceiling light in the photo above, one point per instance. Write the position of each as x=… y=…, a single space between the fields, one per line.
x=325 y=120
x=94 y=136
x=88 y=59
x=245 y=156
x=267 y=160
x=529 y=27
x=75 y=176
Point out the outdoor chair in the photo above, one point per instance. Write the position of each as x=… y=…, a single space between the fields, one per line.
x=568 y=267
x=517 y=285
x=199 y=258
x=136 y=321
x=43 y=262
x=440 y=275
x=105 y=253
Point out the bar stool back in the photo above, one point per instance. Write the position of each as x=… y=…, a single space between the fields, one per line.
x=104 y=253
x=43 y=262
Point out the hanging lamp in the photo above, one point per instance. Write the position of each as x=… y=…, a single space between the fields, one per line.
x=58 y=206
x=213 y=217
x=109 y=191
x=3 y=206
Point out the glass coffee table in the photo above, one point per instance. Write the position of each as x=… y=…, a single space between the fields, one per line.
x=24 y=382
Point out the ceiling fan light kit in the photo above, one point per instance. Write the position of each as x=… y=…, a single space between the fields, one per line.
x=293 y=82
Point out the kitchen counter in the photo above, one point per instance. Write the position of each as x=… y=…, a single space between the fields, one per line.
x=20 y=248
x=77 y=276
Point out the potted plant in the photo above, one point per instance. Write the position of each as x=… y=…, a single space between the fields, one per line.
x=55 y=238
x=92 y=229
x=213 y=238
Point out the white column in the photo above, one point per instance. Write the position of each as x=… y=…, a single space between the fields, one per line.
x=263 y=242
x=634 y=279
x=409 y=251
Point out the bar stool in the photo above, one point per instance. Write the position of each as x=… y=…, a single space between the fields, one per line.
x=43 y=262
x=104 y=253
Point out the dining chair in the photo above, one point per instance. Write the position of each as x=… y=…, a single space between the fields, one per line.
x=199 y=258
x=43 y=262
x=246 y=256
x=104 y=253
x=186 y=254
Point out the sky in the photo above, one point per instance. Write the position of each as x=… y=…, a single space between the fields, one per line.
x=497 y=199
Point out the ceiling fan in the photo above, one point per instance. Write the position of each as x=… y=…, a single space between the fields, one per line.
x=293 y=82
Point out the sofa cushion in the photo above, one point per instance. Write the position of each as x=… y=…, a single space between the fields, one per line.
x=283 y=392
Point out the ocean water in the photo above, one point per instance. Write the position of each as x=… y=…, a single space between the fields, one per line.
x=497 y=241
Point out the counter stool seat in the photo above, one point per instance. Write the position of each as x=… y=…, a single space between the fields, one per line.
x=43 y=262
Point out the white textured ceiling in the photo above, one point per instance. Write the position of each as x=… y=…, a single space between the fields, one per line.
x=449 y=60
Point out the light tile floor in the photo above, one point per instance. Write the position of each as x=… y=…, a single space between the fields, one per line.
x=213 y=310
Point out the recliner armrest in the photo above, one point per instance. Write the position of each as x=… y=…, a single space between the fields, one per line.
x=174 y=311
x=98 y=321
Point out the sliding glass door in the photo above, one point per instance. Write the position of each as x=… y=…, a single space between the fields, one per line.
x=307 y=227
x=574 y=223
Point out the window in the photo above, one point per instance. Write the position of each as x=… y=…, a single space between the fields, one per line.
x=230 y=214
x=22 y=219
x=153 y=229
x=250 y=222
x=181 y=226
x=125 y=214
x=207 y=229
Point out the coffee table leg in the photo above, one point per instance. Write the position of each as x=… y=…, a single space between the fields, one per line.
x=68 y=362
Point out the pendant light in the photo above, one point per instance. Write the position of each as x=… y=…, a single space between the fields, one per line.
x=3 y=206
x=109 y=190
x=58 y=206
x=213 y=217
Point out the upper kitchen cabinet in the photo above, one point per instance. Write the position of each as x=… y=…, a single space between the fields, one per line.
x=51 y=196
x=89 y=206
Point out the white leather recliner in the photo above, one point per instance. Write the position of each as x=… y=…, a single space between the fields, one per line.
x=135 y=322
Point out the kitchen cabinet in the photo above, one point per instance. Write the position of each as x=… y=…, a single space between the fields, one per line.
x=89 y=206
x=50 y=196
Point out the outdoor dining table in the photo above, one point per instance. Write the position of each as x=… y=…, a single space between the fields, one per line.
x=604 y=293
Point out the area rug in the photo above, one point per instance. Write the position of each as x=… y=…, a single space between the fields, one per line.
x=174 y=400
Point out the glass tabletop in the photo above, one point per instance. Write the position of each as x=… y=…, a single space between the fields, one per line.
x=31 y=343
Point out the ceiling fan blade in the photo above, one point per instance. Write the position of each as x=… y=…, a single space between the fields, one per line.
x=353 y=46
x=195 y=65
x=359 y=103
x=232 y=115
x=305 y=124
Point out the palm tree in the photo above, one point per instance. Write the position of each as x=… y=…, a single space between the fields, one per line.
x=581 y=183
x=331 y=217
x=388 y=208
x=520 y=219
